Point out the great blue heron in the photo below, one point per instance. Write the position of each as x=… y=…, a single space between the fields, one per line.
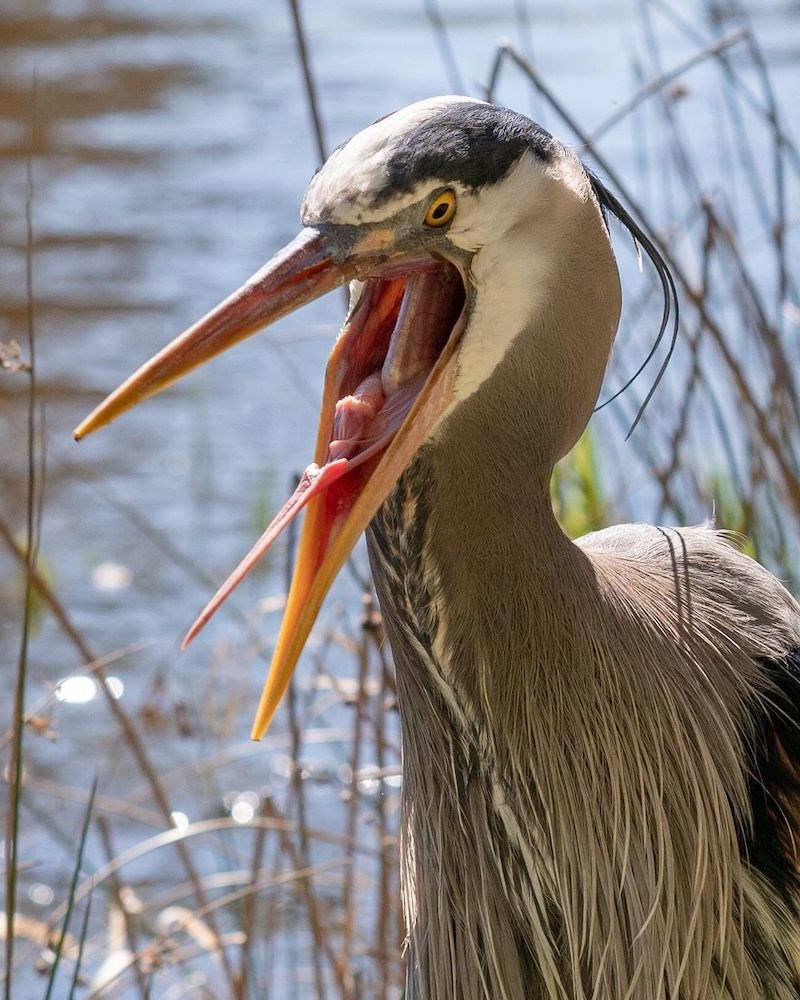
x=600 y=737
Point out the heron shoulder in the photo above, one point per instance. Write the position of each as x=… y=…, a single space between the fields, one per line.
x=710 y=572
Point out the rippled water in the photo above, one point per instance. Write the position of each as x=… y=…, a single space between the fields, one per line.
x=172 y=146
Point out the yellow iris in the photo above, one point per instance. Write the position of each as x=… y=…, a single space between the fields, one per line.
x=442 y=209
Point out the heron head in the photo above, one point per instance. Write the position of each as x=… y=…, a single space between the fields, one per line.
x=414 y=212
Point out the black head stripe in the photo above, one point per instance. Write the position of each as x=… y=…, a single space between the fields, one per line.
x=473 y=144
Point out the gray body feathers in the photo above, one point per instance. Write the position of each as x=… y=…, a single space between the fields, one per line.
x=575 y=799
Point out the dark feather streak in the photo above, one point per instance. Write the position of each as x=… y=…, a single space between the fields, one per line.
x=610 y=203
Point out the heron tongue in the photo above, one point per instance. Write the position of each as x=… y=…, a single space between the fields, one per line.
x=384 y=333
x=364 y=424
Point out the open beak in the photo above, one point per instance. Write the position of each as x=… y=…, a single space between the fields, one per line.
x=388 y=381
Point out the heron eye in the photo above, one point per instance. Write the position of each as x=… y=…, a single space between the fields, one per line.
x=442 y=209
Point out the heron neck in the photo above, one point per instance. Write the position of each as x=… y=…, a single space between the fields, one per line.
x=482 y=593
x=490 y=526
x=500 y=563
x=470 y=530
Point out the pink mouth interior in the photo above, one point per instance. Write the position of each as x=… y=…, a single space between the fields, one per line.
x=393 y=336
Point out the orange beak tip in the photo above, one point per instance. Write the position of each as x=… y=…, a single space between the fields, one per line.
x=260 y=727
x=191 y=634
x=87 y=426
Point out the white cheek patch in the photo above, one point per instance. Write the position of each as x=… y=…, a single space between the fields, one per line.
x=526 y=192
x=509 y=266
x=512 y=229
x=344 y=190
x=503 y=309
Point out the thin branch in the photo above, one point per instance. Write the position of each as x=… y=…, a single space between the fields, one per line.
x=308 y=79
x=456 y=81
x=33 y=514
x=658 y=83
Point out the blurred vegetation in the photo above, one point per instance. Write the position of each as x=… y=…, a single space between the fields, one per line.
x=720 y=439
x=577 y=489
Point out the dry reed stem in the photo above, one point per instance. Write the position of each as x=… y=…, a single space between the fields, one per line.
x=127 y=727
x=33 y=535
x=118 y=894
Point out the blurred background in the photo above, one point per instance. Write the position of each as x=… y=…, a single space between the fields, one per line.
x=152 y=156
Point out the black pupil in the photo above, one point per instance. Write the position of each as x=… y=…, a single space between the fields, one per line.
x=440 y=209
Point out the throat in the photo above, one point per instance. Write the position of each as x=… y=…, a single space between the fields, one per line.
x=468 y=561
x=455 y=566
